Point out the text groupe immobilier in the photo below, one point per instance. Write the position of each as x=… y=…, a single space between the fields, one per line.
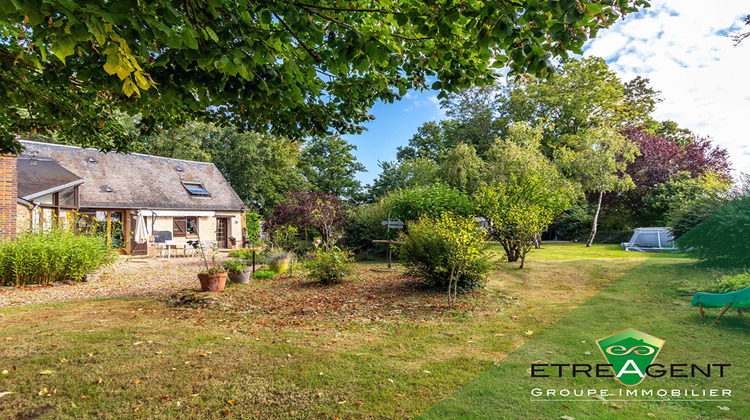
x=684 y=393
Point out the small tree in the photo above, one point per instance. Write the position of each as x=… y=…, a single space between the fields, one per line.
x=524 y=194
x=597 y=160
x=322 y=211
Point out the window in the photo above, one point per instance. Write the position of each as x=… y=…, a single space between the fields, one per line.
x=55 y=206
x=184 y=226
x=196 y=189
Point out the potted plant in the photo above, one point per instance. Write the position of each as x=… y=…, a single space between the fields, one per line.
x=237 y=271
x=278 y=262
x=213 y=278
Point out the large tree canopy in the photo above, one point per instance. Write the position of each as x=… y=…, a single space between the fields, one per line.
x=293 y=67
x=328 y=165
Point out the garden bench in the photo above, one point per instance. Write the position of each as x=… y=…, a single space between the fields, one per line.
x=739 y=299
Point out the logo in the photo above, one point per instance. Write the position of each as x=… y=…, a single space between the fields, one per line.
x=630 y=353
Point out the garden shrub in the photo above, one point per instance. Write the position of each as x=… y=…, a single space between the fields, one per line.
x=436 y=247
x=54 y=255
x=729 y=283
x=247 y=254
x=330 y=266
x=433 y=200
x=263 y=275
x=688 y=215
x=363 y=225
x=723 y=238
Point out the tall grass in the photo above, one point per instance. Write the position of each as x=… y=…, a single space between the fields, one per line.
x=54 y=255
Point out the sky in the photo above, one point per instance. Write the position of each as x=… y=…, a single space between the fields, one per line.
x=683 y=46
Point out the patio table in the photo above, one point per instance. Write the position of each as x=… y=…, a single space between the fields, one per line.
x=169 y=245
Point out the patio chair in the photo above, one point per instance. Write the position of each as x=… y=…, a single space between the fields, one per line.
x=738 y=299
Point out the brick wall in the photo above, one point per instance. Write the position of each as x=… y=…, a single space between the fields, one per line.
x=8 y=196
x=23 y=218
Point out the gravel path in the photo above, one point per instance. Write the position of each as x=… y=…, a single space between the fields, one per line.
x=128 y=277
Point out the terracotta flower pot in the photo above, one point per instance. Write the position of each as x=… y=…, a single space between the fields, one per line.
x=212 y=282
x=241 y=277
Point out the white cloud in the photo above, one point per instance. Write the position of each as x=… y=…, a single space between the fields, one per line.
x=684 y=48
x=423 y=99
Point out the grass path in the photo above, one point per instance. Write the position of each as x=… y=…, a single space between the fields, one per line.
x=653 y=298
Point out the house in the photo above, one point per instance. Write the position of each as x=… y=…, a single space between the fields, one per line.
x=178 y=199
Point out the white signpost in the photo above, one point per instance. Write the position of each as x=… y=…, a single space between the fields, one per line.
x=392 y=224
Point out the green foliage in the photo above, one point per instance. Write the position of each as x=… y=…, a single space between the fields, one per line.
x=247 y=253
x=598 y=159
x=526 y=194
x=234 y=265
x=404 y=174
x=330 y=266
x=683 y=218
x=262 y=169
x=681 y=190
x=584 y=94
x=431 y=142
x=574 y=223
x=264 y=275
x=727 y=284
x=54 y=255
x=252 y=222
x=293 y=68
x=473 y=115
x=433 y=200
x=328 y=165
x=723 y=238
x=278 y=261
x=363 y=225
x=184 y=142
x=672 y=131
x=462 y=168
x=447 y=252
x=283 y=236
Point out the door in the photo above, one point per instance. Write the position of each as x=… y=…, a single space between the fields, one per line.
x=221 y=232
x=135 y=247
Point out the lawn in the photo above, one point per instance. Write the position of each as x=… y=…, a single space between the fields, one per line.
x=653 y=298
x=378 y=346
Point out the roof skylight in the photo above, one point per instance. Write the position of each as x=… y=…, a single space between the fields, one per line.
x=196 y=189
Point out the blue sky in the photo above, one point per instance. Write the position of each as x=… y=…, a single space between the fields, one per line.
x=394 y=125
x=681 y=45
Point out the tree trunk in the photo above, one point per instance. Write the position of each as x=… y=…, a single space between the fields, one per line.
x=596 y=220
x=512 y=252
x=537 y=241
